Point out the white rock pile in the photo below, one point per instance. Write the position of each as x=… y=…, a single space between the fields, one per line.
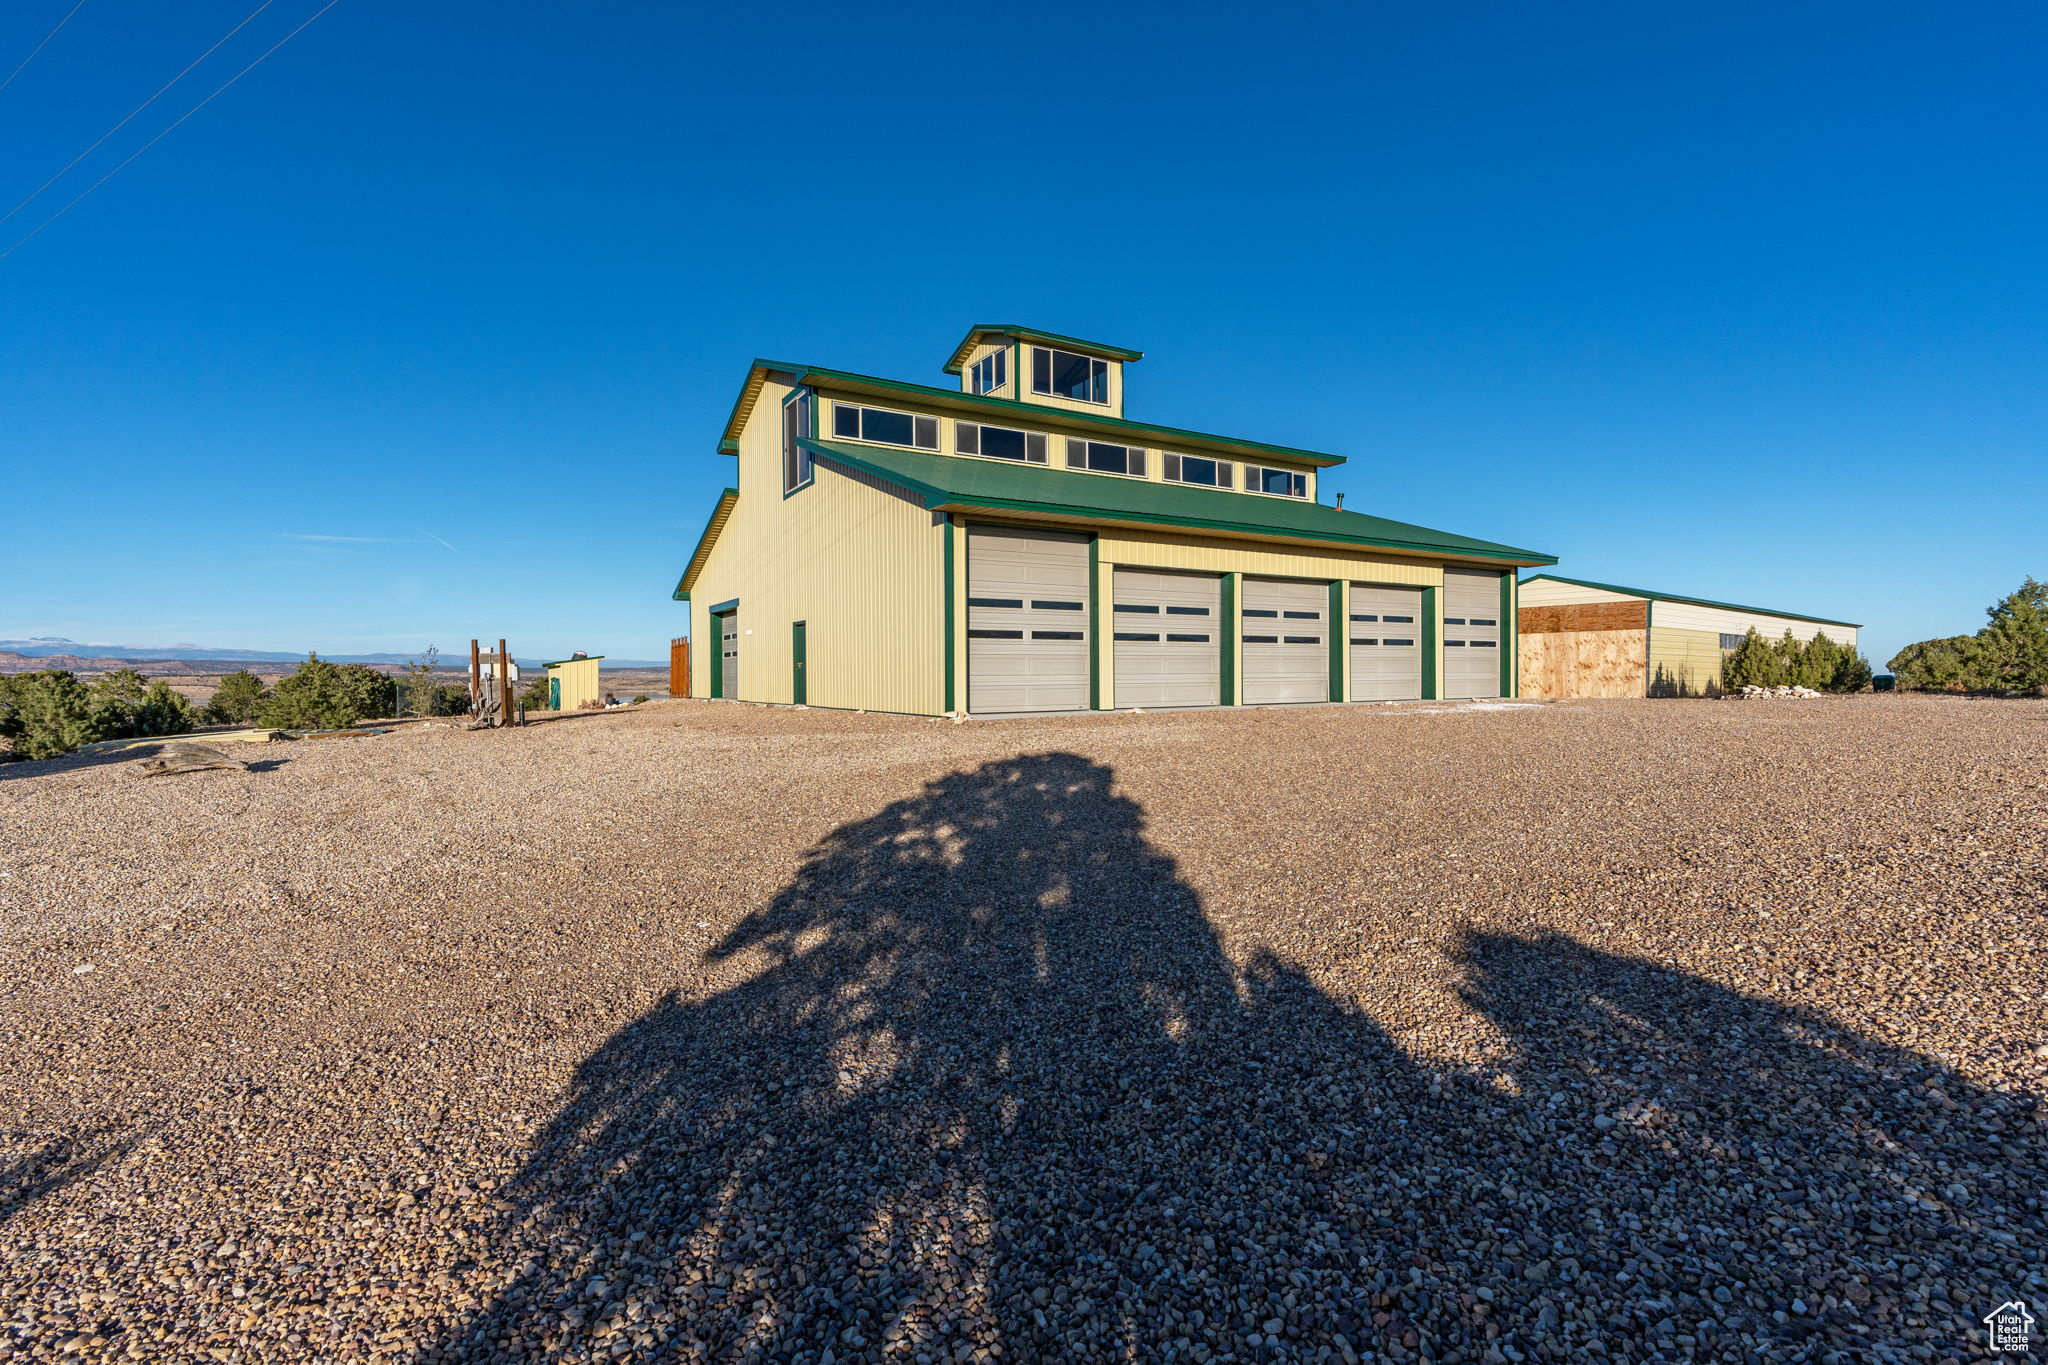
x=1751 y=692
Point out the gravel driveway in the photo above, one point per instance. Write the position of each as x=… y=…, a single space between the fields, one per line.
x=1635 y=1030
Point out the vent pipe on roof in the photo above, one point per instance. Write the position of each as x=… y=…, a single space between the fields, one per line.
x=1340 y=502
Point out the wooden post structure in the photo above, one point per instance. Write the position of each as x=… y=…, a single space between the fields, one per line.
x=504 y=685
x=476 y=681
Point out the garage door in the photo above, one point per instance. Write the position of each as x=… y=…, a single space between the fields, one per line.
x=1027 y=620
x=1472 y=633
x=729 y=654
x=1286 y=640
x=1168 y=638
x=1386 y=643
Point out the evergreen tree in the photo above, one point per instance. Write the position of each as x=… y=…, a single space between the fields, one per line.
x=1818 y=660
x=1852 y=674
x=123 y=685
x=534 y=696
x=372 y=691
x=53 y=713
x=419 y=683
x=162 y=711
x=1753 y=663
x=2013 y=646
x=314 y=696
x=237 y=699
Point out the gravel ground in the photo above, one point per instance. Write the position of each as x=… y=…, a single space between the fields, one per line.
x=1635 y=1030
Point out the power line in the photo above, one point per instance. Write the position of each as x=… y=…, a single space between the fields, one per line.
x=133 y=112
x=168 y=131
x=43 y=44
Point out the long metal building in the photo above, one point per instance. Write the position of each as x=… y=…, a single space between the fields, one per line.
x=1017 y=544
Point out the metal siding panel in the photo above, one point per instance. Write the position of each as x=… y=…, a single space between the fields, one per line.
x=1721 y=619
x=1283 y=672
x=1381 y=672
x=1029 y=673
x=1163 y=672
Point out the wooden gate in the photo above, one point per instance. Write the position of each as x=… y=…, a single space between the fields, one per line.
x=679 y=667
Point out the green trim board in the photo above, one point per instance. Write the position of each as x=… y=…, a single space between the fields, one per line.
x=1650 y=596
x=1432 y=633
x=721 y=512
x=1016 y=333
x=1510 y=635
x=846 y=382
x=1232 y=628
x=956 y=483
x=947 y=528
x=717 y=634
x=1339 y=637
x=586 y=659
x=1096 y=644
x=731 y=604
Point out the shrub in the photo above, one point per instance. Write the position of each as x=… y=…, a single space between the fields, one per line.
x=374 y=692
x=451 y=699
x=1945 y=665
x=534 y=696
x=162 y=711
x=420 y=688
x=315 y=696
x=1754 y=663
x=1819 y=663
x=237 y=699
x=637 y=700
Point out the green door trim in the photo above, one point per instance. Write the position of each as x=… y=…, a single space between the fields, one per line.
x=1432 y=628
x=718 y=649
x=1510 y=635
x=1095 y=643
x=949 y=528
x=799 y=682
x=1340 y=633
x=1232 y=628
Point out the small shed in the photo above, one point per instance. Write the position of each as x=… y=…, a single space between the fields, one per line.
x=573 y=681
x=1579 y=639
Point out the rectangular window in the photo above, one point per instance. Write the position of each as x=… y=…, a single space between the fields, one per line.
x=1404 y=620
x=884 y=427
x=995 y=601
x=1056 y=606
x=1454 y=620
x=1104 y=458
x=995 y=634
x=1304 y=639
x=998 y=443
x=796 y=422
x=1484 y=644
x=990 y=372
x=1055 y=634
x=1454 y=644
x=1730 y=641
x=1357 y=641
x=1137 y=635
x=1397 y=642
x=1062 y=374
x=1187 y=639
x=1132 y=606
x=1368 y=618
x=1193 y=469
x=1262 y=639
x=1260 y=611
x=1283 y=483
x=1482 y=621
x=1302 y=615
x=1187 y=611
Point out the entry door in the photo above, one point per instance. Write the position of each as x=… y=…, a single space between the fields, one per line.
x=729 y=654
x=1286 y=640
x=554 y=694
x=1168 y=641
x=1472 y=633
x=1027 y=620
x=799 y=663
x=1386 y=643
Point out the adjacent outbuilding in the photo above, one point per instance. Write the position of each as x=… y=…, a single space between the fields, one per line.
x=1581 y=639
x=573 y=681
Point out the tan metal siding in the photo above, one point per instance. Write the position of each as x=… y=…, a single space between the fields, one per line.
x=1683 y=663
x=863 y=564
x=1722 y=620
x=1543 y=592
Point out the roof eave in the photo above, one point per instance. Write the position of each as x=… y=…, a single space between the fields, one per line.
x=1648 y=596
x=1011 y=329
x=721 y=512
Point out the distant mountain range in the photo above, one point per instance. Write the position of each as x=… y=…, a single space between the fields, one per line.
x=51 y=646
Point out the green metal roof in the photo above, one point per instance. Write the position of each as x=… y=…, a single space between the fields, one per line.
x=586 y=659
x=1011 y=329
x=1036 y=414
x=953 y=482
x=1694 y=601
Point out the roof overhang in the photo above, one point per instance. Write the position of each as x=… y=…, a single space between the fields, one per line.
x=1649 y=596
x=1015 y=333
x=720 y=514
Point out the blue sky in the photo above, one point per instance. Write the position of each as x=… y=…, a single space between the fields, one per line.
x=426 y=328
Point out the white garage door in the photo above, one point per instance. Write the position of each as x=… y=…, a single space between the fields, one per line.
x=1027 y=620
x=1386 y=643
x=1286 y=640
x=729 y=654
x=1168 y=638
x=1472 y=633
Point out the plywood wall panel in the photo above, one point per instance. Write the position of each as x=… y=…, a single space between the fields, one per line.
x=1630 y=615
x=1567 y=664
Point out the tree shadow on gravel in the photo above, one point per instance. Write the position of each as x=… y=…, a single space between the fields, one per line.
x=51 y=1163
x=996 y=1089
